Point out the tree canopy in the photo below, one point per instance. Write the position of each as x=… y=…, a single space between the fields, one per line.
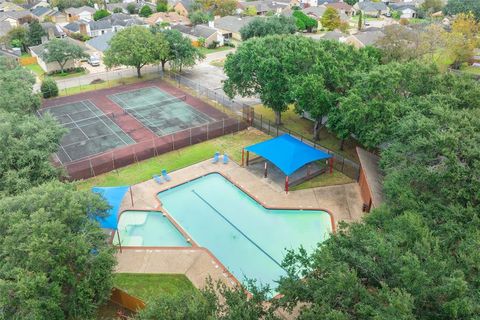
x=27 y=145
x=134 y=46
x=35 y=33
x=199 y=17
x=16 y=88
x=145 y=11
x=454 y=7
x=261 y=27
x=331 y=19
x=99 y=14
x=62 y=51
x=56 y=263
x=181 y=52
x=304 y=22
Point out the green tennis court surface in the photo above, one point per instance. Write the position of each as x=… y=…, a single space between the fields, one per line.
x=159 y=111
x=90 y=131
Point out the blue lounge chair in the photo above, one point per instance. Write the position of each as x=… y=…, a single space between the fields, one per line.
x=225 y=158
x=215 y=157
x=165 y=175
x=157 y=179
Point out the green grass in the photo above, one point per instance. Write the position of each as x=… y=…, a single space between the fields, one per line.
x=35 y=68
x=471 y=70
x=323 y=180
x=106 y=84
x=174 y=160
x=292 y=121
x=217 y=49
x=145 y=286
x=67 y=75
x=218 y=63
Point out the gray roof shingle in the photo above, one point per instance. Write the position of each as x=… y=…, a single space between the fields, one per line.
x=196 y=31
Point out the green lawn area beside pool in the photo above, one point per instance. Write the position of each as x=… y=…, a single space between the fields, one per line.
x=145 y=286
x=174 y=160
x=323 y=180
x=292 y=121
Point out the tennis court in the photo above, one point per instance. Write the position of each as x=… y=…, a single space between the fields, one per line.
x=159 y=111
x=90 y=130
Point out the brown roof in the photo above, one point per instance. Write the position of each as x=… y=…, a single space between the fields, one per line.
x=340 y=6
x=170 y=17
x=369 y=164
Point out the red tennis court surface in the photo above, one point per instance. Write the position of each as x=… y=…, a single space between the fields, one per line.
x=151 y=133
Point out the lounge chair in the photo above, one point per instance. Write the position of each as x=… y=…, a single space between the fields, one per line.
x=225 y=158
x=215 y=157
x=157 y=179
x=165 y=175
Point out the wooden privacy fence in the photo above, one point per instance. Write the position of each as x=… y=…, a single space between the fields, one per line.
x=127 y=301
x=25 y=61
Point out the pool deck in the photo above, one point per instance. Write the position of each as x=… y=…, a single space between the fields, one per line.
x=343 y=202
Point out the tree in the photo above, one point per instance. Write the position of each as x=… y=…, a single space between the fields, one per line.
x=261 y=27
x=99 y=14
x=117 y=10
x=18 y=37
x=454 y=7
x=199 y=17
x=462 y=40
x=303 y=21
x=224 y=7
x=62 y=51
x=35 y=33
x=134 y=46
x=16 y=88
x=400 y=44
x=132 y=8
x=56 y=263
x=233 y=303
x=145 y=11
x=263 y=66
x=28 y=143
x=432 y=6
x=250 y=11
x=360 y=21
x=162 y=6
x=331 y=19
x=49 y=88
x=181 y=53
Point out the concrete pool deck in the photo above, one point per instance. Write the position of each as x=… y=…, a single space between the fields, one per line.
x=344 y=203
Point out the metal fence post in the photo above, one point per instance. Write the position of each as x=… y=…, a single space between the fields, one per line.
x=223 y=126
x=261 y=122
x=207 y=131
x=190 y=136
x=269 y=123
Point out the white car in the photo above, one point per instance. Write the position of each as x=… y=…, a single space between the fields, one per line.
x=94 y=61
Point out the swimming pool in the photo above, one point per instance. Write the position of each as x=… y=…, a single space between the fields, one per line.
x=250 y=240
x=148 y=228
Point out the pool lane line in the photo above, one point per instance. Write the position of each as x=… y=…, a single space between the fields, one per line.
x=241 y=232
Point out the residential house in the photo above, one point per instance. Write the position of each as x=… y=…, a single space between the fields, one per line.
x=48 y=67
x=342 y=7
x=263 y=7
x=372 y=9
x=210 y=35
x=230 y=26
x=317 y=13
x=367 y=37
x=82 y=13
x=181 y=7
x=101 y=43
x=41 y=4
x=53 y=30
x=406 y=10
x=16 y=18
x=335 y=35
x=112 y=23
x=42 y=13
x=172 y=18
x=9 y=6
x=5 y=27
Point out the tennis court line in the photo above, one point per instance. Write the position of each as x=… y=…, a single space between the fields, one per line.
x=76 y=124
x=109 y=128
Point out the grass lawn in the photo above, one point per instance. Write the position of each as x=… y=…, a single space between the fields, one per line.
x=217 y=49
x=106 y=84
x=218 y=63
x=67 y=75
x=323 y=180
x=471 y=70
x=145 y=286
x=35 y=68
x=294 y=122
x=174 y=160
x=365 y=18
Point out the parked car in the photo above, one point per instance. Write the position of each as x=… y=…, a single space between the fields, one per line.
x=94 y=61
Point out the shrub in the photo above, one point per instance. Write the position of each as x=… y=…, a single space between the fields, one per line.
x=100 y=14
x=162 y=7
x=117 y=10
x=132 y=8
x=145 y=11
x=404 y=22
x=80 y=37
x=49 y=88
x=213 y=45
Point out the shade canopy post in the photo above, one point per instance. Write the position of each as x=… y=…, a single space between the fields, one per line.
x=286 y=184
